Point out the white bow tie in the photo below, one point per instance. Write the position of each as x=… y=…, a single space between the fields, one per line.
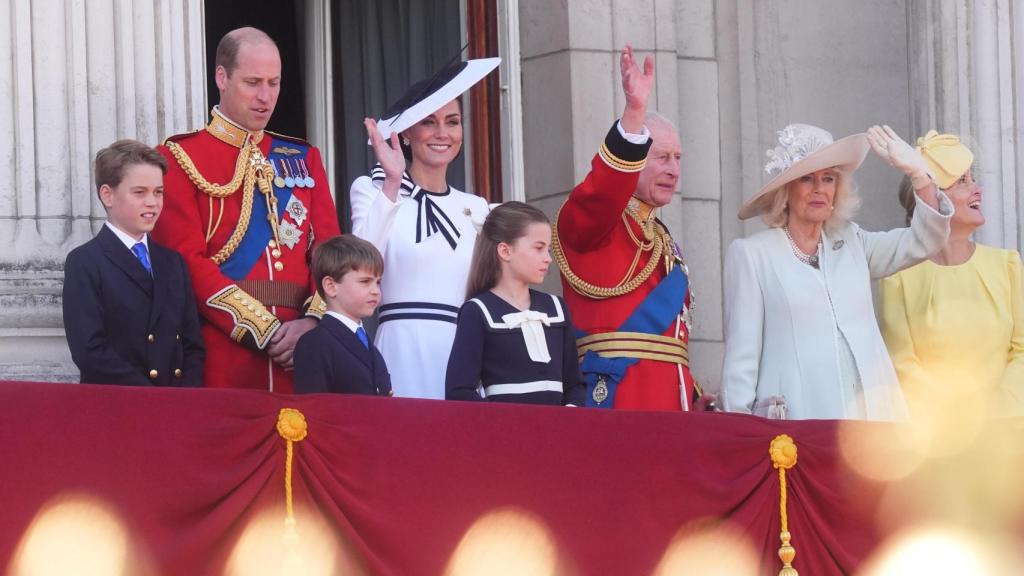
x=532 y=324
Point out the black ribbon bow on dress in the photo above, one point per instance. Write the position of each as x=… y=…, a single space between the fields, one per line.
x=430 y=217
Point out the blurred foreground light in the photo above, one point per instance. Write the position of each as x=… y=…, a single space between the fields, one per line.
x=881 y=452
x=709 y=548
x=73 y=535
x=267 y=547
x=938 y=551
x=506 y=542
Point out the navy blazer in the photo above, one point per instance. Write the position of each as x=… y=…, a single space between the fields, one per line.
x=330 y=358
x=125 y=326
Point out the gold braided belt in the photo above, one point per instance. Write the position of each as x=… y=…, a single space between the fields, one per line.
x=635 y=345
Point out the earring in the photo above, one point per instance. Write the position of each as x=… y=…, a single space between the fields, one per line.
x=405 y=141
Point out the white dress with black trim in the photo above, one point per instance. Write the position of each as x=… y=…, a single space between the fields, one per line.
x=427 y=241
x=526 y=356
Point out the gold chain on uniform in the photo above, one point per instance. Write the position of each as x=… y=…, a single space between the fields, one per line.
x=655 y=242
x=251 y=169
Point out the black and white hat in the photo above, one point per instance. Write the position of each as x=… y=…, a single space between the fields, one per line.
x=428 y=96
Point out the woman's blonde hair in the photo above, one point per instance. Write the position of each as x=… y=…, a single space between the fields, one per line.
x=846 y=203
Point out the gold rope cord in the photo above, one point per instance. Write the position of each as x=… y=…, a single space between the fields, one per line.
x=251 y=169
x=242 y=169
x=782 y=451
x=235 y=239
x=291 y=425
x=581 y=286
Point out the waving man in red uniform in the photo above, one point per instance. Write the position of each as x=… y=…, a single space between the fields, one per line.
x=244 y=207
x=623 y=276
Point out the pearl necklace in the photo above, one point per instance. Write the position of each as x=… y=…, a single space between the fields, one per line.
x=809 y=259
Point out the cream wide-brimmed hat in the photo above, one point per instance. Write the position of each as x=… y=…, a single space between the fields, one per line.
x=804 y=149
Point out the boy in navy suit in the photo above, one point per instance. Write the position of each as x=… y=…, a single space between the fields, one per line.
x=337 y=356
x=129 y=312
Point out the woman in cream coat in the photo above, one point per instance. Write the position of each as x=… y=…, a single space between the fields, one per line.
x=801 y=336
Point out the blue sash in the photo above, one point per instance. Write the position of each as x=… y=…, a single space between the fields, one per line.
x=653 y=316
x=259 y=233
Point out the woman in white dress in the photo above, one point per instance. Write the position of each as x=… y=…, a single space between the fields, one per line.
x=801 y=336
x=424 y=228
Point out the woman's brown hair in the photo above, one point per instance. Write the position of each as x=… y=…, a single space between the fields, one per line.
x=505 y=224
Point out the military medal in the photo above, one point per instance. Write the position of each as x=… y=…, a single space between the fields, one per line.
x=305 y=170
x=288 y=180
x=297 y=210
x=600 y=393
x=290 y=234
x=278 y=181
x=300 y=175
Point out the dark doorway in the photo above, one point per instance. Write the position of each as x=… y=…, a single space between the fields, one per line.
x=278 y=18
x=380 y=48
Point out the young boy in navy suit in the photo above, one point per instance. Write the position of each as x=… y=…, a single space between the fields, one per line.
x=337 y=356
x=129 y=312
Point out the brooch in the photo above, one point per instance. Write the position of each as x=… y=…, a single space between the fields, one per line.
x=600 y=393
x=297 y=210
x=289 y=233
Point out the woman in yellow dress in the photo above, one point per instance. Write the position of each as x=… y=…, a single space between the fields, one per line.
x=954 y=324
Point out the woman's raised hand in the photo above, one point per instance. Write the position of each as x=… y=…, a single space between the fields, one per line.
x=388 y=152
x=389 y=155
x=894 y=150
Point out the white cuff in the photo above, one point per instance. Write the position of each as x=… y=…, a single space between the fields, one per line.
x=633 y=138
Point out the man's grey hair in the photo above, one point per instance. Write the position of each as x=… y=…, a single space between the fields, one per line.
x=653 y=116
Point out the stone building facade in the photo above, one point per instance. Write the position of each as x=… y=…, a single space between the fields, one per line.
x=730 y=73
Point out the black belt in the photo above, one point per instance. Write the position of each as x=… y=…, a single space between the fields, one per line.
x=418 y=311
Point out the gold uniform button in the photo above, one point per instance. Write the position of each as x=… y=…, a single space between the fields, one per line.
x=151 y=338
x=153 y=374
x=391 y=392
x=177 y=372
x=177 y=336
x=275 y=253
x=273 y=244
x=278 y=266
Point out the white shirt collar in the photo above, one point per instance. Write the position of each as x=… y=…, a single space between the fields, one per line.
x=350 y=323
x=125 y=238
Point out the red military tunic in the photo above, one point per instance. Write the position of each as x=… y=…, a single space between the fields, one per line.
x=599 y=240
x=241 y=314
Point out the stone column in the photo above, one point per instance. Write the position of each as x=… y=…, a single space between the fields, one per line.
x=967 y=77
x=76 y=80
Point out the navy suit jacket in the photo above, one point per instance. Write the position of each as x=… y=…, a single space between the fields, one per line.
x=125 y=326
x=330 y=358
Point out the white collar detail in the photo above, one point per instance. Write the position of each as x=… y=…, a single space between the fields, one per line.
x=125 y=238
x=348 y=322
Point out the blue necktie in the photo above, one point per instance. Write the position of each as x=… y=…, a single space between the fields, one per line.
x=362 y=337
x=143 y=255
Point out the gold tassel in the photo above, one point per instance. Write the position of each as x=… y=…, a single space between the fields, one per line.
x=783 y=454
x=291 y=425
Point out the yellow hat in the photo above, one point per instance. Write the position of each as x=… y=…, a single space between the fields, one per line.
x=947 y=158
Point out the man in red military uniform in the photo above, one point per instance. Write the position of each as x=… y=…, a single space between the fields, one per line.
x=244 y=208
x=624 y=279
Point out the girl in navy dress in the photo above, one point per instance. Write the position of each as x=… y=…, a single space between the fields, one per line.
x=513 y=343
